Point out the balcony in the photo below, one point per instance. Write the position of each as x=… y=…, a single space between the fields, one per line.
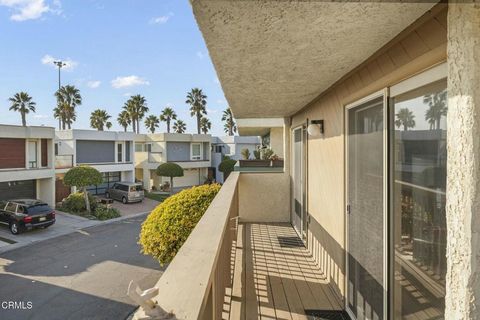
x=243 y=270
x=64 y=161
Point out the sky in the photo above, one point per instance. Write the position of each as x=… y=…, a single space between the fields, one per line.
x=113 y=49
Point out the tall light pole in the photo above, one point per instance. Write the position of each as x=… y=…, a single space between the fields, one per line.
x=60 y=64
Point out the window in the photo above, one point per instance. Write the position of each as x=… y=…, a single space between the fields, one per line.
x=11 y=207
x=32 y=154
x=119 y=152
x=148 y=147
x=138 y=147
x=56 y=149
x=196 y=151
x=217 y=149
x=127 y=151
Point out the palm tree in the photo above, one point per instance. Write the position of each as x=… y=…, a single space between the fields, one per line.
x=230 y=127
x=179 y=126
x=57 y=114
x=205 y=125
x=22 y=103
x=198 y=103
x=167 y=115
x=438 y=108
x=124 y=120
x=68 y=98
x=405 y=118
x=152 y=122
x=136 y=107
x=99 y=120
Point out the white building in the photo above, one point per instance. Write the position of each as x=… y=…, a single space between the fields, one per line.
x=190 y=151
x=232 y=147
x=26 y=163
x=109 y=152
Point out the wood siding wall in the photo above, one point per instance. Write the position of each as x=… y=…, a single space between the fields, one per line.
x=13 y=153
x=421 y=46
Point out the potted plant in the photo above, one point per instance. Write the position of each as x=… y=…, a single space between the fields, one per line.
x=276 y=161
x=259 y=161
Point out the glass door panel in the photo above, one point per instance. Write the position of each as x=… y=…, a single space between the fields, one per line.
x=297 y=157
x=419 y=156
x=366 y=294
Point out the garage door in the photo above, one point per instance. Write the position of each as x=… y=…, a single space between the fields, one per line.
x=18 y=190
x=190 y=178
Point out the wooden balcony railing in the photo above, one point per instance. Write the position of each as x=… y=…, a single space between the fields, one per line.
x=194 y=284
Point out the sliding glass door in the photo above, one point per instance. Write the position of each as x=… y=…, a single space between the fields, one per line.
x=298 y=218
x=366 y=223
x=418 y=169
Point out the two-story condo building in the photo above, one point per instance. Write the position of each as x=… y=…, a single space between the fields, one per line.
x=190 y=151
x=109 y=152
x=232 y=147
x=26 y=163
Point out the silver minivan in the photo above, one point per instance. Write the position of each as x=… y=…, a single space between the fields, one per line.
x=126 y=192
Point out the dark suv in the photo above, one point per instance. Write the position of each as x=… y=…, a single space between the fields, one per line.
x=26 y=214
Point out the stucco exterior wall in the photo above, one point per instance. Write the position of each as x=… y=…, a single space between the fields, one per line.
x=463 y=172
x=419 y=47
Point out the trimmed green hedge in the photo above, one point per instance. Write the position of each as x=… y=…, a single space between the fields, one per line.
x=168 y=226
x=75 y=203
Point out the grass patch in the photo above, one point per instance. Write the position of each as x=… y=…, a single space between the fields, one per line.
x=156 y=196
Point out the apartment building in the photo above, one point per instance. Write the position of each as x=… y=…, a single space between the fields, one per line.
x=190 y=151
x=109 y=152
x=27 y=163
x=376 y=213
x=232 y=147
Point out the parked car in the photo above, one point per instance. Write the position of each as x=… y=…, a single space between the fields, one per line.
x=25 y=214
x=126 y=192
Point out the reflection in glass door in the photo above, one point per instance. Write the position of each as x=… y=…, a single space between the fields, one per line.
x=419 y=162
x=298 y=212
x=366 y=259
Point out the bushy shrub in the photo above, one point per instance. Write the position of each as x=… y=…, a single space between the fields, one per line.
x=75 y=203
x=170 y=223
x=226 y=167
x=267 y=154
x=256 y=154
x=104 y=213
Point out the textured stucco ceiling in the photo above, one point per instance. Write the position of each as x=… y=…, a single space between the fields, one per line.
x=274 y=57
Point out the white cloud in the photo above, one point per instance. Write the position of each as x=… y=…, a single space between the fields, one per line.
x=127 y=94
x=69 y=63
x=93 y=84
x=128 y=81
x=161 y=19
x=30 y=9
x=200 y=54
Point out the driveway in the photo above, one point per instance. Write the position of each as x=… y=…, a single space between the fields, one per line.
x=64 y=224
x=129 y=209
x=83 y=275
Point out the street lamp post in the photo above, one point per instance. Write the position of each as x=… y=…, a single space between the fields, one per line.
x=60 y=64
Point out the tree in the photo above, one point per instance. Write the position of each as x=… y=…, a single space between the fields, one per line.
x=179 y=126
x=198 y=105
x=226 y=167
x=438 y=108
x=136 y=107
x=405 y=118
x=205 y=125
x=171 y=170
x=152 y=122
x=68 y=98
x=124 y=120
x=167 y=115
x=22 y=102
x=82 y=177
x=99 y=119
x=230 y=127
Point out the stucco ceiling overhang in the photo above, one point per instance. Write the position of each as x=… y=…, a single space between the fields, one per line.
x=274 y=57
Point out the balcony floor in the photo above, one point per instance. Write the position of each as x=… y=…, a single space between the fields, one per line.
x=279 y=279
